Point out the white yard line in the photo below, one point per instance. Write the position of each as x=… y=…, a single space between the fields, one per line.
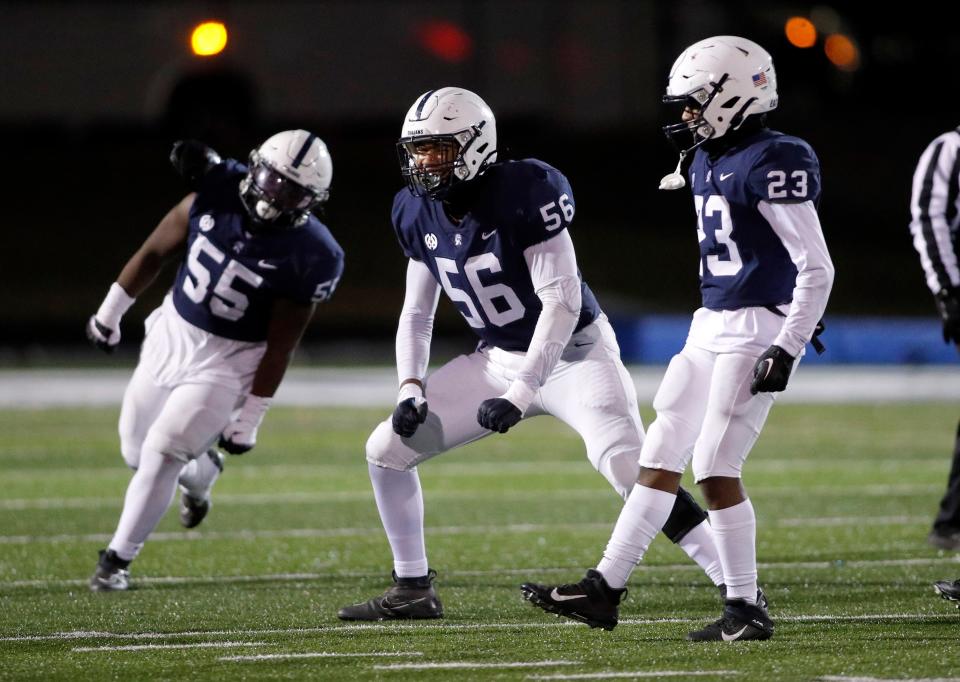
x=320 y=654
x=525 y=572
x=150 y=647
x=274 y=499
x=471 y=665
x=514 y=528
x=842 y=678
x=632 y=675
x=374 y=628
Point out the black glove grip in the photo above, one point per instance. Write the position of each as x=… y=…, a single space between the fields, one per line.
x=407 y=416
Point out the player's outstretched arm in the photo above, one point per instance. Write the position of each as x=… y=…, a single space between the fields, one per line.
x=165 y=242
x=287 y=325
x=414 y=334
x=553 y=270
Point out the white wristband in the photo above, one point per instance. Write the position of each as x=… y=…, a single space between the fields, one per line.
x=116 y=303
x=410 y=390
x=254 y=407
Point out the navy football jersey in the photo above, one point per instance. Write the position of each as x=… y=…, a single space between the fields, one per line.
x=742 y=260
x=231 y=275
x=479 y=263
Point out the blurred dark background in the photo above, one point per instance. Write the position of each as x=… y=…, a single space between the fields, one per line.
x=92 y=94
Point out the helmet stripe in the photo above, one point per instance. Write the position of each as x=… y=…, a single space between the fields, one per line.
x=303 y=150
x=423 y=102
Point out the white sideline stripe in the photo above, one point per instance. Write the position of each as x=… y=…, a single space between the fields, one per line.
x=146 y=647
x=373 y=628
x=470 y=665
x=631 y=675
x=842 y=678
x=377 y=386
x=518 y=528
x=255 y=499
x=642 y=568
x=319 y=654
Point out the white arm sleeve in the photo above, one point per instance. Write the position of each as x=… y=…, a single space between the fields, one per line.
x=415 y=329
x=935 y=183
x=553 y=270
x=798 y=227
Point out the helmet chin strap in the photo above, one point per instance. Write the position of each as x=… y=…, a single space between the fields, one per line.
x=674 y=180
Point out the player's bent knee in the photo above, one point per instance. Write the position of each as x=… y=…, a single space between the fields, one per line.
x=713 y=469
x=131 y=455
x=669 y=443
x=178 y=446
x=620 y=468
x=385 y=449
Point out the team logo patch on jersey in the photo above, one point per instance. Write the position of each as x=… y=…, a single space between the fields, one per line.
x=206 y=222
x=430 y=240
x=458 y=240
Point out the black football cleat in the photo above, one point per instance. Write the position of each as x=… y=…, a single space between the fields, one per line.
x=111 y=574
x=761 y=597
x=949 y=541
x=949 y=590
x=590 y=601
x=193 y=510
x=408 y=598
x=739 y=621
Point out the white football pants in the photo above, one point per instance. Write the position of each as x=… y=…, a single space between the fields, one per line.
x=705 y=412
x=590 y=390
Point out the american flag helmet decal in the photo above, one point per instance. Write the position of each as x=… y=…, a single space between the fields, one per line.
x=759 y=80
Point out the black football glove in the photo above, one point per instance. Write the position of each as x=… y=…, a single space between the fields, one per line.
x=948 y=305
x=498 y=414
x=192 y=159
x=102 y=336
x=408 y=415
x=772 y=371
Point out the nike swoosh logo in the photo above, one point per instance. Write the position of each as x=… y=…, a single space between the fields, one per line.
x=402 y=605
x=556 y=596
x=768 y=365
x=487 y=235
x=724 y=176
x=580 y=345
x=734 y=636
x=265 y=265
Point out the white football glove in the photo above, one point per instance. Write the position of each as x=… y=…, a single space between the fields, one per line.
x=241 y=434
x=103 y=328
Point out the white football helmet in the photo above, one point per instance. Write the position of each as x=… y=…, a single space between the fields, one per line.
x=453 y=118
x=288 y=175
x=723 y=80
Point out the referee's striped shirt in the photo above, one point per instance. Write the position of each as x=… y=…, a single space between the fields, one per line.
x=935 y=210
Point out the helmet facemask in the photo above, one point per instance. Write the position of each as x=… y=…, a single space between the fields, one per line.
x=272 y=197
x=710 y=118
x=432 y=164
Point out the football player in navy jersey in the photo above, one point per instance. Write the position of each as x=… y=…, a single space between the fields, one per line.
x=765 y=278
x=493 y=235
x=254 y=263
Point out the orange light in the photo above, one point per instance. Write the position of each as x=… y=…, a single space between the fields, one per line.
x=842 y=51
x=208 y=38
x=801 y=32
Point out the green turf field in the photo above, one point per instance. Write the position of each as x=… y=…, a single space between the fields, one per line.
x=844 y=496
